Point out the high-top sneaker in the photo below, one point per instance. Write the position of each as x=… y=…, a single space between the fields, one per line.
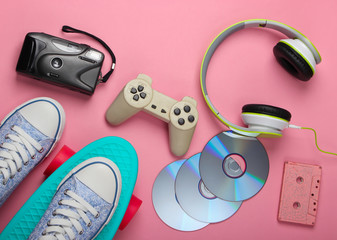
x=84 y=202
x=27 y=136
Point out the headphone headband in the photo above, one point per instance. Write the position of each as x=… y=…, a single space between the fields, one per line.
x=283 y=28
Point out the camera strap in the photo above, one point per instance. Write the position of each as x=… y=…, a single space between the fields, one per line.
x=105 y=78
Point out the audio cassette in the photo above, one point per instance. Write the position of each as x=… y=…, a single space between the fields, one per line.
x=299 y=193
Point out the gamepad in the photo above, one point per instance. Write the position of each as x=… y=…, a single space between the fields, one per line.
x=138 y=95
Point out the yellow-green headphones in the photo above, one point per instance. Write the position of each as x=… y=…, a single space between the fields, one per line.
x=296 y=54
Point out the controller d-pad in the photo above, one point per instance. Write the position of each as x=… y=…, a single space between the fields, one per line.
x=187 y=109
x=181 y=121
x=136 y=97
x=142 y=95
x=138 y=92
x=140 y=88
x=176 y=111
x=191 y=118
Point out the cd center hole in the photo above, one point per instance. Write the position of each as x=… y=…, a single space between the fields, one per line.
x=204 y=191
x=234 y=165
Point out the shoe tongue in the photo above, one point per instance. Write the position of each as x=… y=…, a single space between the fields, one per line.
x=87 y=194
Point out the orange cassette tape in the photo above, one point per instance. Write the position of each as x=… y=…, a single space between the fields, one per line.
x=299 y=193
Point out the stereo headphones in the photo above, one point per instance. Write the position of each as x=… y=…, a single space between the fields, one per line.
x=296 y=54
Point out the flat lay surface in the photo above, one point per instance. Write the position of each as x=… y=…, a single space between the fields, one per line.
x=167 y=41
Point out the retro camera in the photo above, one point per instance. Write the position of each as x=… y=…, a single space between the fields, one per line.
x=62 y=62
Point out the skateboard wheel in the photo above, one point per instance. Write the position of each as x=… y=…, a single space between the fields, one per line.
x=133 y=207
x=63 y=155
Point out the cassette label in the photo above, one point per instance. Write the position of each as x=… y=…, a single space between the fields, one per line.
x=299 y=193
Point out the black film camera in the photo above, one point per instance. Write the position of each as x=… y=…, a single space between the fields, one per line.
x=62 y=62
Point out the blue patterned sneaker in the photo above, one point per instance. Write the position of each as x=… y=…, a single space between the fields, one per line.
x=84 y=202
x=27 y=135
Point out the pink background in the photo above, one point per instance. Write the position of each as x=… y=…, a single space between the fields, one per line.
x=167 y=40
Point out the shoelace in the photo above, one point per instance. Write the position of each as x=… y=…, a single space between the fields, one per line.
x=14 y=154
x=59 y=227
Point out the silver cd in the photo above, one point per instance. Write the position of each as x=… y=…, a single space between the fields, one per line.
x=234 y=167
x=165 y=202
x=196 y=200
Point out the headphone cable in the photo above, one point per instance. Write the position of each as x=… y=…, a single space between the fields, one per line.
x=319 y=149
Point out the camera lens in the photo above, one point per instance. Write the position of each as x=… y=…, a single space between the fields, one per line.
x=56 y=62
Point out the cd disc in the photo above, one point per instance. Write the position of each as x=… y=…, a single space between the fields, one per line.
x=165 y=202
x=234 y=167
x=194 y=197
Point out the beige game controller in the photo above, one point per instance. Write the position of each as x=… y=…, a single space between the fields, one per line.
x=138 y=95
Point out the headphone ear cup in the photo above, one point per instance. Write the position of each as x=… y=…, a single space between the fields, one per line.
x=261 y=117
x=267 y=110
x=296 y=58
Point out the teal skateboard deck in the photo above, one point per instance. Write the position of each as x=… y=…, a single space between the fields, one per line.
x=117 y=150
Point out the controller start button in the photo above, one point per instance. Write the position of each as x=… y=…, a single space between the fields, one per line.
x=56 y=62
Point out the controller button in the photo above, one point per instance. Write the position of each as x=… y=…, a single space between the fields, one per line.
x=143 y=95
x=140 y=88
x=153 y=106
x=177 y=111
x=133 y=90
x=181 y=121
x=136 y=97
x=56 y=62
x=187 y=109
x=191 y=118
x=163 y=111
x=53 y=75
